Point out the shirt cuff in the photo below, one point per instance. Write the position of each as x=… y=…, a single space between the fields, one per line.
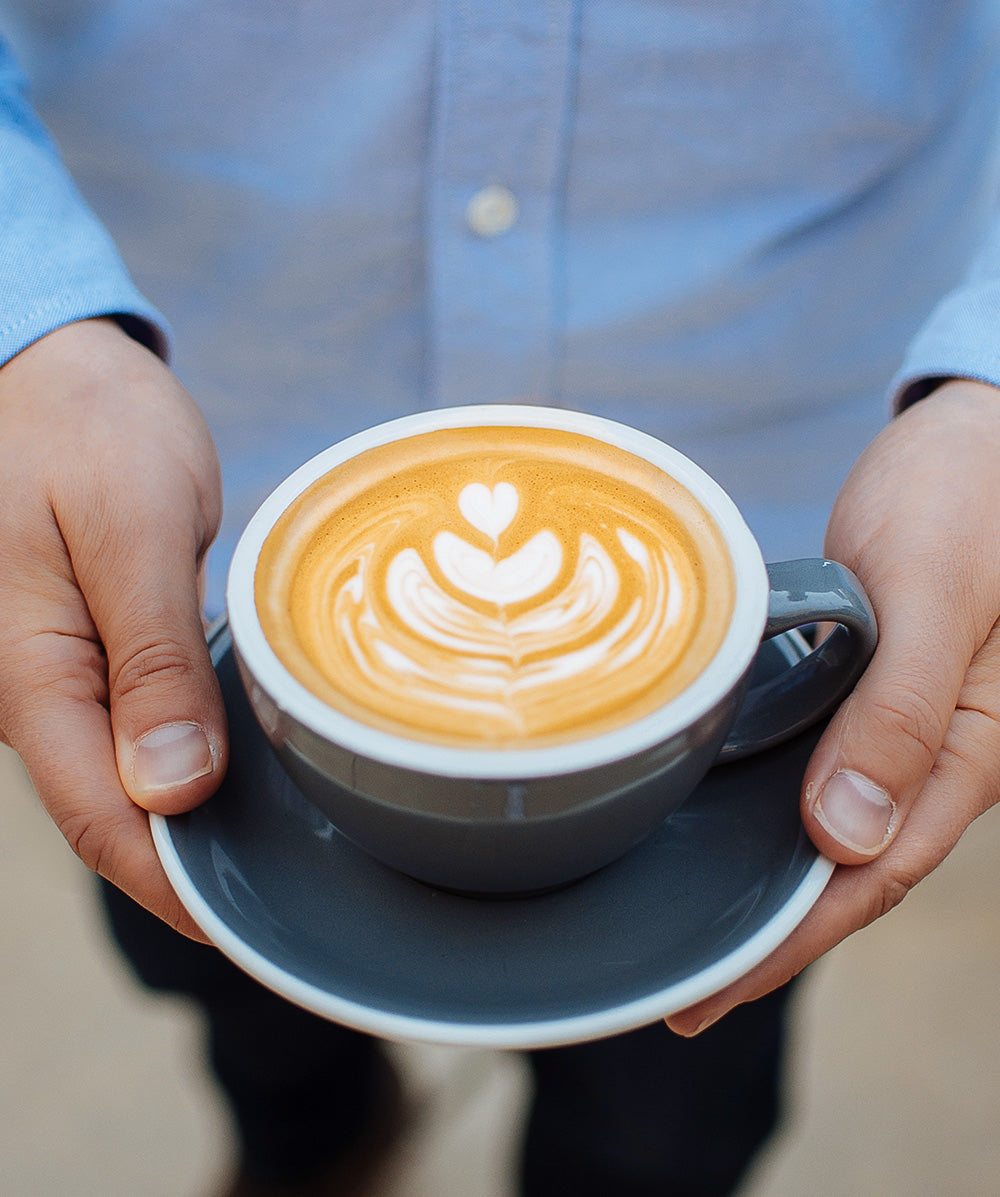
x=961 y=339
x=121 y=302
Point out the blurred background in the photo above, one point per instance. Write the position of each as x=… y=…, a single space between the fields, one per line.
x=893 y=1085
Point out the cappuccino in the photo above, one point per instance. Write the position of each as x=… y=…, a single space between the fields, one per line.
x=501 y=587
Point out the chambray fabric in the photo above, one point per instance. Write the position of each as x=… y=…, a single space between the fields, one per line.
x=733 y=219
x=57 y=263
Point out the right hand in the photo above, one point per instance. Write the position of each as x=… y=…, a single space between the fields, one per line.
x=110 y=496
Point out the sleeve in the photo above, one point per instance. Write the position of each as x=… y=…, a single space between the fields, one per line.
x=961 y=337
x=57 y=262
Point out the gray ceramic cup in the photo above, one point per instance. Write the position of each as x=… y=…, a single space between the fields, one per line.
x=515 y=821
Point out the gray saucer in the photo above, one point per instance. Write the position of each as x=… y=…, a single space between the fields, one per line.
x=284 y=895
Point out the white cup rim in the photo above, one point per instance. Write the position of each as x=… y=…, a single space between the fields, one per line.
x=713 y=684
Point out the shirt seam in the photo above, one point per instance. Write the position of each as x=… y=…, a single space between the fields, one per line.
x=65 y=301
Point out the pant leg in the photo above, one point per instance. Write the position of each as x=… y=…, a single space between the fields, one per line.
x=300 y=1088
x=640 y=1114
x=650 y=1113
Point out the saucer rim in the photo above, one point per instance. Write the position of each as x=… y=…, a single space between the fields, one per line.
x=520 y=1035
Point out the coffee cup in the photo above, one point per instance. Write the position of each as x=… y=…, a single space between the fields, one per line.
x=498 y=645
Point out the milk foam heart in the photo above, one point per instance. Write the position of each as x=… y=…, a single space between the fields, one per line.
x=489 y=509
x=499 y=586
x=525 y=573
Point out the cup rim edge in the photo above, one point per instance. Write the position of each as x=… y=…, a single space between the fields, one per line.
x=725 y=670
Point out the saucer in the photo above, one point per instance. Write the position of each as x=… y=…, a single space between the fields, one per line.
x=701 y=901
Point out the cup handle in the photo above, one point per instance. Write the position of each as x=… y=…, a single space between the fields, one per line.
x=808 y=591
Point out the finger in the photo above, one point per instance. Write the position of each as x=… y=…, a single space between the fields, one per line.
x=854 y=898
x=964 y=783
x=841 y=910
x=166 y=709
x=875 y=756
x=63 y=735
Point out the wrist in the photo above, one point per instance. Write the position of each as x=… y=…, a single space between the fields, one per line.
x=970 y=390
x=956 y=402
x=79 y=359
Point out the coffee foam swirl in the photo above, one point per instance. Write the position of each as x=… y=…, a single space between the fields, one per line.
x=497 y=586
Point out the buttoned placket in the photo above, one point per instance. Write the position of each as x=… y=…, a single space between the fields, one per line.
x=501 y=123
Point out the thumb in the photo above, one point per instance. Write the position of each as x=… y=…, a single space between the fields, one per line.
x=166 y=708
x=166 y=714
x=878 y=750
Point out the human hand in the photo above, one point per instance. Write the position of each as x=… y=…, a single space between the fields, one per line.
x=111 y=497
x=913 y=755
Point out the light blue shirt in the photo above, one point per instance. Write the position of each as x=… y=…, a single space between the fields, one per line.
x=726 y=223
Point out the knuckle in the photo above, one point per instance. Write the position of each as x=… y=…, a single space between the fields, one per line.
x=894 y=883
x=175 y=916
x=970 y=758
x=895 y=887
x=89 y=837
x=905 y=714
x=42 y=669
x=150 y=664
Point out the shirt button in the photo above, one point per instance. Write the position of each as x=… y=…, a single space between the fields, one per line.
x=491 y=211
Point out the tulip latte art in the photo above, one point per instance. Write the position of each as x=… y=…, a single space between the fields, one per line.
x=495 y=587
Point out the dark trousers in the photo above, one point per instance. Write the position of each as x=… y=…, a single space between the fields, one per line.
x=638 y=1115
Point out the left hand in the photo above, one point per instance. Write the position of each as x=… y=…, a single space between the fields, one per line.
x=912 y=757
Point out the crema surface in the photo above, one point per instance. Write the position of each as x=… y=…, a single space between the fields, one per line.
x=495 y=587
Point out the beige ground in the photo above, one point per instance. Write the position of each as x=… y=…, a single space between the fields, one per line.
x=895 y=1078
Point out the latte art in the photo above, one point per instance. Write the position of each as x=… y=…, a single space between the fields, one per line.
x=495 y=587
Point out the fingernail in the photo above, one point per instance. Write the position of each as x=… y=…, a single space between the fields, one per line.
x=855 y=811
x=170 y=755
x=692 y=1032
